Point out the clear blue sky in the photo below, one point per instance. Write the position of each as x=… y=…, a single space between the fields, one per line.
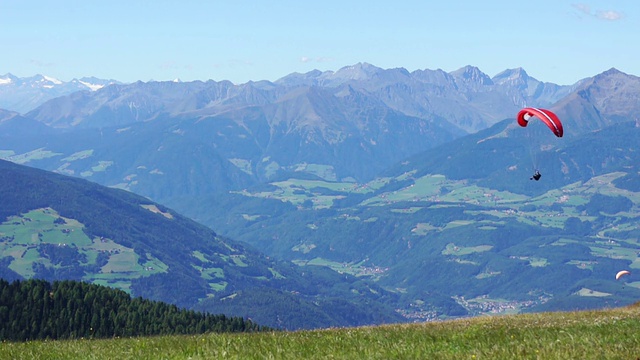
x=240 y=40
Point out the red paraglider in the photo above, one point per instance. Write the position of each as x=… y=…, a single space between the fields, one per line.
x=548 y=117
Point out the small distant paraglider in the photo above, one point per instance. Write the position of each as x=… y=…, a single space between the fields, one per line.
x=621 y=274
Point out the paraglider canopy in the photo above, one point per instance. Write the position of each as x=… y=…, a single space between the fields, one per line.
x=548 y=117
x=621 y=274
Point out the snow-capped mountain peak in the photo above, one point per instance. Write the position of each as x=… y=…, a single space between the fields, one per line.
x=92 y=87
x=7 y=79
x=22 y=94
x=52 y=80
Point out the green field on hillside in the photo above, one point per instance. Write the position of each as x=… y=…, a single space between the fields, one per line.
x=28 y=239
x=481 y=233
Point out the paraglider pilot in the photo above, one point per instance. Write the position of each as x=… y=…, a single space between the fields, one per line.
x=536 y=176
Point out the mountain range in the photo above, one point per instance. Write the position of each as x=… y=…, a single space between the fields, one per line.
x=414 y=182
x=22 y=94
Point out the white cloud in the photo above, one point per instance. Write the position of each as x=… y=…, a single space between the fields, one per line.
x=40 y=63
x=583 y=8
x=609 y=15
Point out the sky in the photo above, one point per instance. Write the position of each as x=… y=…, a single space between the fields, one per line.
x=250 y=40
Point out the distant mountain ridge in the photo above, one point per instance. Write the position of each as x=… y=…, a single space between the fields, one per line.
x=369 y=102
x=327 y=124
x=346 y=125
x=22 y=94
x=600 y=101
x=437 y=93
x=421 y=93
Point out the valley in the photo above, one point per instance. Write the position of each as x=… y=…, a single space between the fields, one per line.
x=409 y=195
x=557 y=215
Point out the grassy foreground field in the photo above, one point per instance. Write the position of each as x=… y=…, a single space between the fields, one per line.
x=603 y=334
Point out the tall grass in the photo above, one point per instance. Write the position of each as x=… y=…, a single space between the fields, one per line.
x=605 y=334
